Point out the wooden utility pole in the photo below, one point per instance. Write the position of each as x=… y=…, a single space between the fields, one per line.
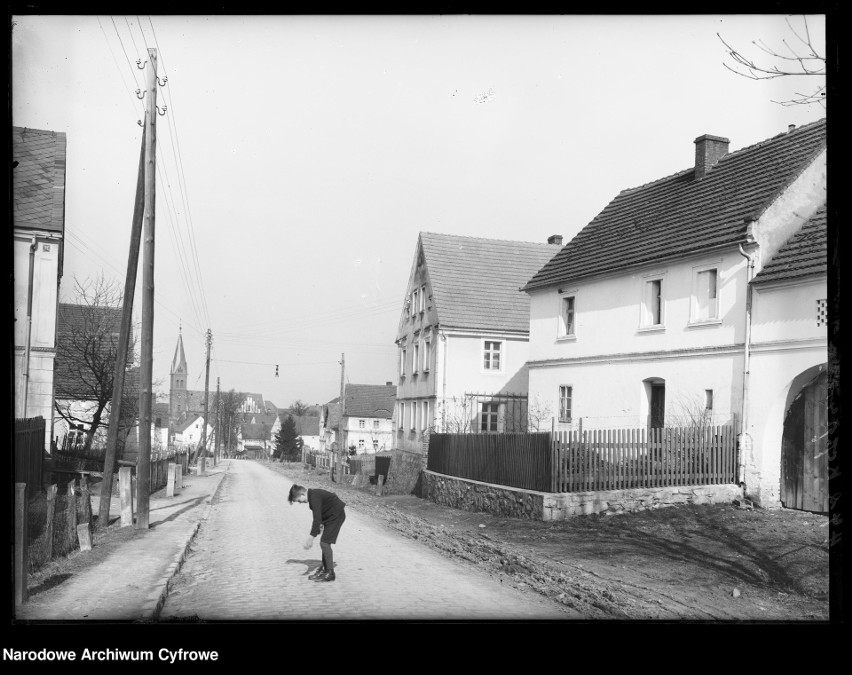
x=216 y=456
x=342 y=402
x=203 y=453
x=123 y=341
x=146 y=366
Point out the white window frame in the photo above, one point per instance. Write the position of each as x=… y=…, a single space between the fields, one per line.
x=427 y=355
x=708 y=401
x=570 y=390
x=415 y=359
x=501 y=352
x=496 y=416
x=423 y=298
x=402 y=362
x=414 y=415
x=401 y=412
x=562 y=331
x=361 y=424
x=360 y=443
x=697 y=291
x=646 y=313
x=375 y=445
x=375 y=424
x=415 y=302
x=424 y=415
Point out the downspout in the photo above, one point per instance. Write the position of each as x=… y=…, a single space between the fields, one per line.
x=745 y=438
x=443 y=337
x=26 y=369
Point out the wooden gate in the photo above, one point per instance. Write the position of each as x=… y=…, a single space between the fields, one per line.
x=804 y=449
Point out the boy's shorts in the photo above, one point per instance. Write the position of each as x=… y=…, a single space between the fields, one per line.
x=331 y=527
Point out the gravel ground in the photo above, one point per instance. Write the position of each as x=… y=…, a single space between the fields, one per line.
x=706 y=563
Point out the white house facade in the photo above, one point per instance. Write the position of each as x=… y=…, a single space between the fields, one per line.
x=38 y=197
x=463 y=337
x=649 y=317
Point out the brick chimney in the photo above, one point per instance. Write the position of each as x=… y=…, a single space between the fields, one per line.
x=708 y=150
x=555 y=239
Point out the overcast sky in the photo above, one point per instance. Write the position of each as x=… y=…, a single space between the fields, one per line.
x=299 y=157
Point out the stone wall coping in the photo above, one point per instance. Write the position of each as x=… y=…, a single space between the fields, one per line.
x=495 y=486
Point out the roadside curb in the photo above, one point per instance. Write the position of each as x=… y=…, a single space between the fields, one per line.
x=155 y=602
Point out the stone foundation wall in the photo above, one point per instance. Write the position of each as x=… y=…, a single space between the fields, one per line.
x=500 y=500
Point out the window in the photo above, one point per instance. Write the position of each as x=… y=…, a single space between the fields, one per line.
x=415 y=302
x=400 y=422
x=491 y=355
x=652 y=303
x=489 y=417
x=402 y=363
x=375 y=424
x=360 y=443
x=427 y=355
x=424 y=415
x=706 y=301
x=708 y=400
x=375 y=446
x=566 y=317
x=414 y=416
x=565 y=394
x=415 y=366
x=422 y=298
x=361 y=424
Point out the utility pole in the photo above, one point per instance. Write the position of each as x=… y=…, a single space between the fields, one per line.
x=206 y=403
x=342 y=403
x=123 y=340
x=146 y=368
x=216 y=457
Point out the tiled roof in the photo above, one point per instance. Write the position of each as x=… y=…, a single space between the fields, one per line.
x=188 y=422
x=332 y=414
x=255 y=432
x=76 y=326
x=370 y=400
x=195 y=401
x=804 y=254
x=38 y=179
x=260 y=418
x=475 y=282
x=307 y=425
x=679 y=215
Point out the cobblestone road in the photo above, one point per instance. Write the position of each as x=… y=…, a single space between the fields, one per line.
x=248 y=564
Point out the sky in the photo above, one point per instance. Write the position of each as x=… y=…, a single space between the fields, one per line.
x=299 y=157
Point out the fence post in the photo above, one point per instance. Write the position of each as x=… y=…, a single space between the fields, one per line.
x=71 y=511
x=125 y=480
x=51 y=510
x=170 y=480
x=21 y=543
x=380 y=481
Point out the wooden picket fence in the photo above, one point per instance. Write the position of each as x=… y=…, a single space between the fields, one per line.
x=619 y=459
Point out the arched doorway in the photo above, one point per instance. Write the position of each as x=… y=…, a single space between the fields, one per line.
x=804 y=449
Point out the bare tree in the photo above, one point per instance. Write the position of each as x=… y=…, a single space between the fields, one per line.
x=540 y=415
x=231 y=417
x=800 y=58
x=86 y=350
x=299 y=408
x=457 y=415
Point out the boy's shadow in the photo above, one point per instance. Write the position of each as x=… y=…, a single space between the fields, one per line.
x=310 y=564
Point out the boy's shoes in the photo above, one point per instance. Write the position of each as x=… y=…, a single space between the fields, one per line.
x=318 y=572
x=326 y=576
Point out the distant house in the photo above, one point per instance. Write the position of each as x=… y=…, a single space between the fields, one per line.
x=367 y=421
x=307 y=426
x=38 y=229
x=701 y=295
x=254 y=440
x=188 y=433
x=463 y=336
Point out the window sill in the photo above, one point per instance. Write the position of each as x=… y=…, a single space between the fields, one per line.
x=566 y=338
x=651 y=329
x=704 y=322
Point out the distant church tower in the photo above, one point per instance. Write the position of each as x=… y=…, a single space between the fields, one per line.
x=177 y=386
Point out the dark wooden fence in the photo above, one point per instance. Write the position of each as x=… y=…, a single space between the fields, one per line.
x=518 y=460
x=29 y=452
x=618 y=459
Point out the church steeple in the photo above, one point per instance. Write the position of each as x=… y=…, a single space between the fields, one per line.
x=177 y=386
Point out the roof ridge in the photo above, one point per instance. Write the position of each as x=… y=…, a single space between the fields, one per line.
x=498 y=241
x=765 y=141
